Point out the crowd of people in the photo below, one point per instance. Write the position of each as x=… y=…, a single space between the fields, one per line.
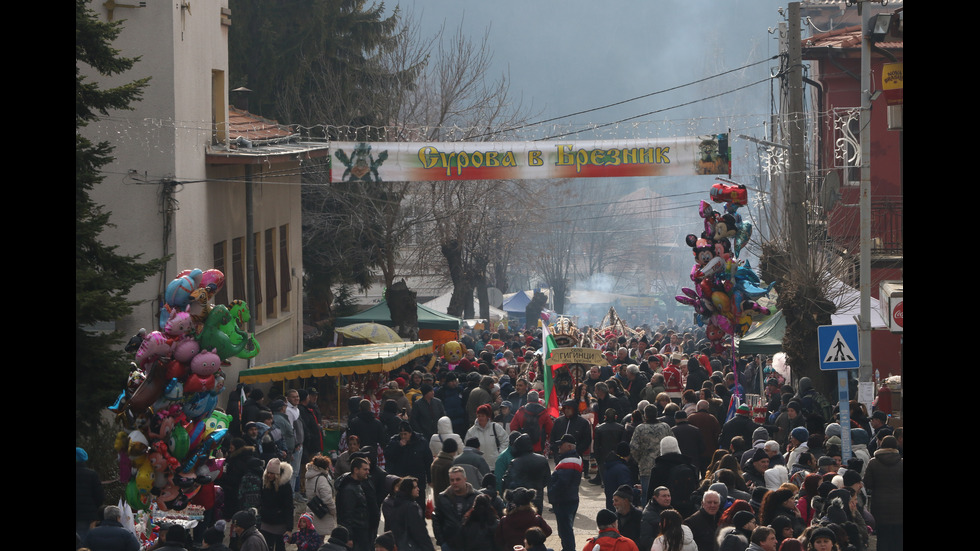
x=470 y=450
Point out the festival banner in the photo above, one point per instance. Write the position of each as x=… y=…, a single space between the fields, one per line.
x=439 y=161
x=589 y=356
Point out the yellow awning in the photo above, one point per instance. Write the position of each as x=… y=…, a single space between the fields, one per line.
x=340 y=360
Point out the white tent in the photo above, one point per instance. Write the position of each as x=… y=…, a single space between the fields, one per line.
x=441 y=304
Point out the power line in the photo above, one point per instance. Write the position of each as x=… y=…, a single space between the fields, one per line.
x=665 y=90
x=692 y=102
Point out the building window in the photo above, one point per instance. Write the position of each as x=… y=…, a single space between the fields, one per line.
x=285 y=277
x=271 y=289
x=238 y=268
x=219 y=264
x=257 y=278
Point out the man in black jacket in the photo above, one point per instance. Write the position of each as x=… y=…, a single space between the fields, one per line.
x=450 y=506
x=357 y=507
x=563 y=490
x=571 y=423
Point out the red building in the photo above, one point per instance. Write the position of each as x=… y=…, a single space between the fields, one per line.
x=835 y=86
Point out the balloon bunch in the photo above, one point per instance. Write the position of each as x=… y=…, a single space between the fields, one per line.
x=168 y=406
x=725 y=288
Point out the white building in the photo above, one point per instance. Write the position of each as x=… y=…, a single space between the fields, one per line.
x=183 y=165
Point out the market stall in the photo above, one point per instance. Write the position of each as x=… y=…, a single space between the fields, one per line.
x=337 y=362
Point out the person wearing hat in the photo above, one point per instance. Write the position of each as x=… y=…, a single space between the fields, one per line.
x=505 y=415
x=881 y=428
x=739 y=425
x=678 y=472
x=214 y=537
x=532 y=419
x=629 y=516
x=88 y=494
x=451 y=396
x=824 y=539
x=574 y=424
x=244 y=530
x=276 y=502
x=563 y=489
x=426 y=412
x=609 y=538
x=736 y=537
x=339 y=540
x=617 y=472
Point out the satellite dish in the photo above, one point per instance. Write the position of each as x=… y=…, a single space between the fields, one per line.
x=495 y=296
x=830 y=192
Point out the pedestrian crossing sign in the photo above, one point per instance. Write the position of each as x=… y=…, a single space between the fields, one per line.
x=838 y=345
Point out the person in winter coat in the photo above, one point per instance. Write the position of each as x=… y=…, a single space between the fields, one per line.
x=704 y=523
x=389 y=418
x=404 y=518
x=369 y=430
x=674 y=534
x=528 y=470
x=319 y=484
x=609 y=538
x=645 y=446
x=426 y=412
x=445 y=431
x=563 y=490
x=521 y=516
x=885 y=483
x=276 y=506
x=110 y=533
x=306 y=537
x=607 y=436
x=451 y=396
x=739 y=425
x=533 y=419
x=450 y=506
x=574 y=424
x=492 y=436
x=244 y=531
x=617 y=471
x=480 y=524
x=736 y=537
x=339 y=540
x=408 y=455
x=357 y=507
x=672 y=469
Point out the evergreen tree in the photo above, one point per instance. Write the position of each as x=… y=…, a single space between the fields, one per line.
x=103 y=277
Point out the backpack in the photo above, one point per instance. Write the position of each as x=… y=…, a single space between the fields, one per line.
x=532 y=428
x=823 y=406
x=683 y=482
x=250 y=491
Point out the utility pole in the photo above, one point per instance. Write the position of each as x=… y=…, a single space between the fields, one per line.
x=864 y=269
x=796 y=216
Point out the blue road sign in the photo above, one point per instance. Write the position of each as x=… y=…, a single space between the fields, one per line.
x=838 y=345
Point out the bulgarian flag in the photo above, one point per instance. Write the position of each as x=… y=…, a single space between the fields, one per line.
x=547 y=345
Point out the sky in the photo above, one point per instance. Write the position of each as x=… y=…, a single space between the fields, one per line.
x=572 y=55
